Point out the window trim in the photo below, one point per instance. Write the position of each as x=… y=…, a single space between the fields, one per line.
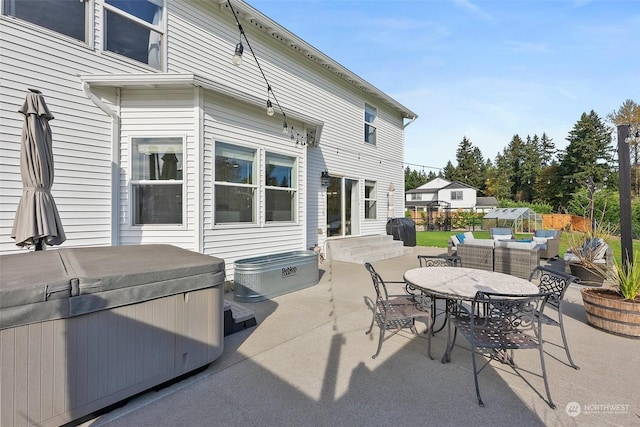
x=131 y=182
x=455 y=192
x=159 y=28
x=258 y=189
x=370 y=199
x=294 y=189
x=89 y=24
x=372 y=124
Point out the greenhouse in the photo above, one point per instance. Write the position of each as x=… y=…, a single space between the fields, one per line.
x=520 y=220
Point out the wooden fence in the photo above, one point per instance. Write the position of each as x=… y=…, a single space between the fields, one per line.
x=566 y=222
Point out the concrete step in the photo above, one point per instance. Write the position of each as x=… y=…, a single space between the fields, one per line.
x=363 y=249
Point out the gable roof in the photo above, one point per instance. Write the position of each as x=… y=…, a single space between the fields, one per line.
x=486 y=201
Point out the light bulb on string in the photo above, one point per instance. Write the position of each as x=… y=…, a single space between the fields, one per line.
x=270 y=111
x=237 y=56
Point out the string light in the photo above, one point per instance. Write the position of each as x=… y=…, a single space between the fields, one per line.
x=237 y=60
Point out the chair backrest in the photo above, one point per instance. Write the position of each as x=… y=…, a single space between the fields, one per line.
x=381 y=289
x=553 y=282
x=439 y=261
x=505 y=314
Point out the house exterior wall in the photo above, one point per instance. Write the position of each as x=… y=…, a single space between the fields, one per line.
x=92 y=143
x=468 y=200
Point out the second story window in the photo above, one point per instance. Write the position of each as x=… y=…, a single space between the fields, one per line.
x=370 y=115
x=456 y=195
x=68 y=17
x=135 y=29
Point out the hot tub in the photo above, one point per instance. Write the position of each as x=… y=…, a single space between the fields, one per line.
x=84 y=328
x=263 y=277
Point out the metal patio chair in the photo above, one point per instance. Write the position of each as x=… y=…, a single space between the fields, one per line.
x=509 y=322
x=556 y=283
x=394 y=313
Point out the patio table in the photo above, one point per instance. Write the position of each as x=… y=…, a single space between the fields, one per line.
x=462 y=284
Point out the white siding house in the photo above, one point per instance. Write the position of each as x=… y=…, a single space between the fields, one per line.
x=159 y=138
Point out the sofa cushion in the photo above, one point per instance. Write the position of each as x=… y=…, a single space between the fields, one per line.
x=460 y=237
x=468 y=235
x=546 y=233
x=540 y=240
x=516 y=245
x=482 y=242
x=454 y=241
x=497 y=237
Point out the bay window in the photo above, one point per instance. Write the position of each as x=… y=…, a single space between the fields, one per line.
x=157 y=180
x=280 y=183
x=235 y=184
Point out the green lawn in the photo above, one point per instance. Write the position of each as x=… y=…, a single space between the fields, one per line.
x=439 y=239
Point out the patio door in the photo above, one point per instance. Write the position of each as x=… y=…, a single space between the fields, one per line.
x=343 y=207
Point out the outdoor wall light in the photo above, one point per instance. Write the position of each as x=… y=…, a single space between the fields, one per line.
x=325 y=179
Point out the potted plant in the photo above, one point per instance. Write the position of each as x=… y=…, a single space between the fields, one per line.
x=589 y=255
x=616 y=309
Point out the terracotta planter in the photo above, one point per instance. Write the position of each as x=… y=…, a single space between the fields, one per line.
x=587 y=276
x=608 y=311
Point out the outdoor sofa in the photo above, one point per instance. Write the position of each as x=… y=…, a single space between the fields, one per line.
x=510 y=257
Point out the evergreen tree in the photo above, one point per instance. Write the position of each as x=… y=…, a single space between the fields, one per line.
x=588 y=154
x=470 y=164
x=449 y=171
x=547 y=150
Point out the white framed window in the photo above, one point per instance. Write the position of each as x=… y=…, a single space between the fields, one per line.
x=416 y=196
x=370 y=116
x=157 y=180
x=456 y=195
x=370 y=200
x=280 y=188
x=235 y=184
x=68 y=17
x=135 y=29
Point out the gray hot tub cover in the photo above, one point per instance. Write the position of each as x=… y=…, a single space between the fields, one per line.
x=54 y=284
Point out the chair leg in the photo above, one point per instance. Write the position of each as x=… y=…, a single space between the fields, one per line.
x=564 y=338
x=380 y=341
x=544 y=377
x=475 y=375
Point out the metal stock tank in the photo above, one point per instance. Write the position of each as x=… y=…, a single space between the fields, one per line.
x=259 y=278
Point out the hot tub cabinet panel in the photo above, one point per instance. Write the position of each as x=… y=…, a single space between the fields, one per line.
x=260 y=278
x=58 y=370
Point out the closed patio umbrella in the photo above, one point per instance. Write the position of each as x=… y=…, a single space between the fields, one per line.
x=37 y=221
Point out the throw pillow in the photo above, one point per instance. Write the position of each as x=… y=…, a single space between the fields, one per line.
x=460 y=237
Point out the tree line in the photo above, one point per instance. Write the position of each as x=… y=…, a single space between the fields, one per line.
x=531 y=170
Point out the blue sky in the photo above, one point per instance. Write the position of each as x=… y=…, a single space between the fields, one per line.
x=484 y=69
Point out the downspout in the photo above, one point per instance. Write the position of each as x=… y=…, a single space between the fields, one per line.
x=115 y=158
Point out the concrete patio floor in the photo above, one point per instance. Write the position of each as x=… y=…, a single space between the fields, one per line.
x=308 y=363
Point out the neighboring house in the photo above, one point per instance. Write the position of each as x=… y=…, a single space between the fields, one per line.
x=159 y=138
x=440 y=196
